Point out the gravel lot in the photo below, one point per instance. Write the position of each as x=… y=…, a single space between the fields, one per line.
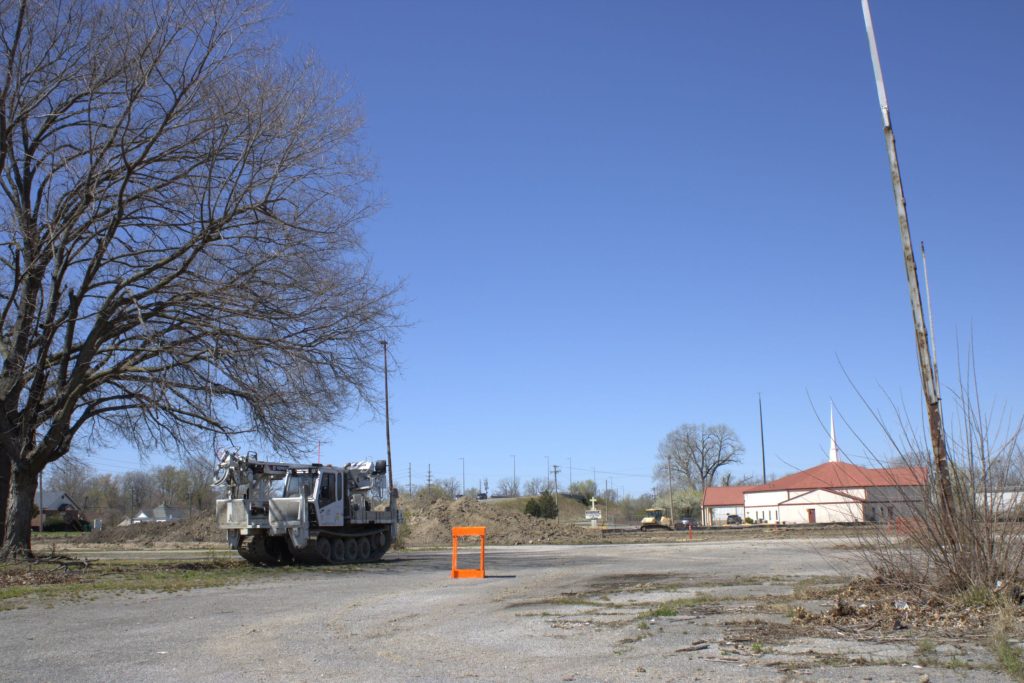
x=545 y=613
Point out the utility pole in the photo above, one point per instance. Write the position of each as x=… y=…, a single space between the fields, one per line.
x=42 y=514
x=554 y=470
x=925 y=362
x=671 y=510
x=760 y=417
x=387 y=416
x=428 y=475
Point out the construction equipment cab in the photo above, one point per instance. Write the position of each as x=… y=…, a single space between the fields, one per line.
x=655 y=518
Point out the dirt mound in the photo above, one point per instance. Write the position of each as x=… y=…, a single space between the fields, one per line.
x=428 y=526
x=432 y=525
x=199 y=529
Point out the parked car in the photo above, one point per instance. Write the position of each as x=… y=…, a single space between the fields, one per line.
x=734 y=519
x=687 y=523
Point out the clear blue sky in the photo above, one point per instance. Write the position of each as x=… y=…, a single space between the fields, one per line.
x=616 y=217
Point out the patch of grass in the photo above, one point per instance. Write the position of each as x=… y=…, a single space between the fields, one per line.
x=671 y=608
x=1008 y=654
x=976 y=596
x=20 y=581
x=579 y=599
x=57 y=535
x=663 y=611
x=1009 y=657
x=925 y=647
x=760 y=648
x=815 y=587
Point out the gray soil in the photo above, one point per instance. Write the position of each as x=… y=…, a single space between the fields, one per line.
x=711 y=610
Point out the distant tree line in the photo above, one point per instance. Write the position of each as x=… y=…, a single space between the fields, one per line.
x=112 y=497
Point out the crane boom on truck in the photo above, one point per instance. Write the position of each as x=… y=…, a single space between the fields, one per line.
x=276 y=513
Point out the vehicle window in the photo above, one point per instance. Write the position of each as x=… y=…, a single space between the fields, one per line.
x=327 y=489
x=293 y=487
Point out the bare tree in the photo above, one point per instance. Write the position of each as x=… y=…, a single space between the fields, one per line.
x=198 y=473
x=137 y=490
x=171 y=484
x=70 y=475
x=534 y=486
x=507 y=488
x=450 y=486
x=584 y=490
x=178 y=249
x=730 y=479
x=102 y=496
x=694 y=454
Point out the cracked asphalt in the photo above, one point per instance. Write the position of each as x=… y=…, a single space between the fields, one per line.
x=646 y=612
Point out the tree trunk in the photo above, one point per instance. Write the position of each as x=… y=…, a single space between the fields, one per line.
x=5 y=483
x=17 y=542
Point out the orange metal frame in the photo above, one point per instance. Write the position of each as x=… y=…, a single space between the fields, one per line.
x=457 y=533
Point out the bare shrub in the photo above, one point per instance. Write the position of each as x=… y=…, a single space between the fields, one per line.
x=971 y=545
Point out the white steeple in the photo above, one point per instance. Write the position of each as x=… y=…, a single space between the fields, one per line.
x=833 y=449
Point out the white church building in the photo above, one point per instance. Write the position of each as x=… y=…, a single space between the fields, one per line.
x=834 y=491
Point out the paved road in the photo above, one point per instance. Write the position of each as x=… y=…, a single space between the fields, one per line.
x=405 y=619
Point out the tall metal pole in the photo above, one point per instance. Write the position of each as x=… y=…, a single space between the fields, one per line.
x=760 y=417
x=671 y=510
x=387 y=415
x=928 y=384
x=931 y=323
x=42 y=513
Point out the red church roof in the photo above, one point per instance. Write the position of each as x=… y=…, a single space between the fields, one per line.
x=829 y=475
x=845 y=475
x=724 y=495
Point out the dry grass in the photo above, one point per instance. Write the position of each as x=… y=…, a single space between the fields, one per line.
x=22 y=581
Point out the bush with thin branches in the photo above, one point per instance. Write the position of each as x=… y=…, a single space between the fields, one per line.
x=973 y=541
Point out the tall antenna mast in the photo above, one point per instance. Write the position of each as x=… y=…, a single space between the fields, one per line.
x=760 y=419
x=387 y=416
x=928 y=383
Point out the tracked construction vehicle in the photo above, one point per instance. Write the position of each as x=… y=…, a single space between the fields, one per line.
x=655 y=518
x=277 y=513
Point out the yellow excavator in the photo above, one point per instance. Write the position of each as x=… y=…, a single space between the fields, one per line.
x=655 y=518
